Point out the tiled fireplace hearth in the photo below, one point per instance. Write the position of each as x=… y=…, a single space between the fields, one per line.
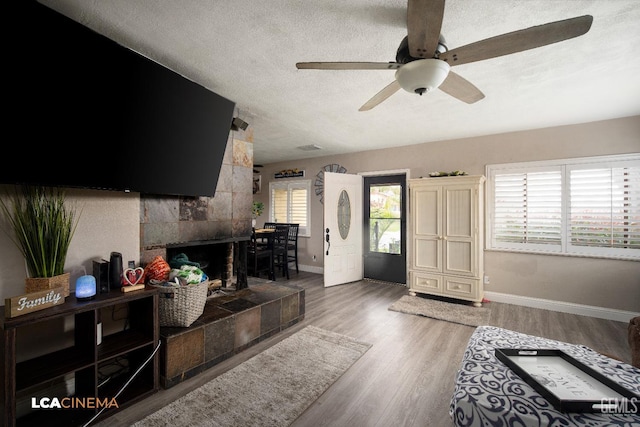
x=228 y=325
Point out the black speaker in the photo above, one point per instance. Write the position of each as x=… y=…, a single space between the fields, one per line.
x=239 y=124
x=115 y=270
x=101 y=273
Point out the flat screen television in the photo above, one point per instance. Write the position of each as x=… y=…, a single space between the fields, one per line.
x=84 y=111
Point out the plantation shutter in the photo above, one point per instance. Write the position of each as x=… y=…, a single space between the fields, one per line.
x=290 y=204
x=279 y=205
x=586 y=206
x=605 y=207
x=528 y=209
x=298 y=207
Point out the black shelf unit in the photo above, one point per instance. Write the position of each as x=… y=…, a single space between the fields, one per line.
x=83 y=358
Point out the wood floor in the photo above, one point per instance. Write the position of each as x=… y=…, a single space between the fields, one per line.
x=406 y=377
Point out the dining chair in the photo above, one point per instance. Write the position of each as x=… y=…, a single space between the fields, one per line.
x=268 y=226
x=281 y=249
x=292 y=256
x=260 y=258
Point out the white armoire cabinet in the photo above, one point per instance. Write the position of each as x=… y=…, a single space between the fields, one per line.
x=447 y=225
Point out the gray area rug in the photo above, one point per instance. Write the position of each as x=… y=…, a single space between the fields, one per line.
x=271 y=389
x=441 y=310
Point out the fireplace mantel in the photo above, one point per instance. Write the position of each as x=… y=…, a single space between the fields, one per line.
x=208 y=242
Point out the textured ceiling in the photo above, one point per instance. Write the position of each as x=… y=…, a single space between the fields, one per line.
x=246 y=50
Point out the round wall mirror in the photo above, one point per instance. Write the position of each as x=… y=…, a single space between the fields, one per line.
x=344 y=214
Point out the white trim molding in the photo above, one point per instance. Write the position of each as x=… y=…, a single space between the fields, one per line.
x=311 y=269
x=564 y=307
x=407 y=172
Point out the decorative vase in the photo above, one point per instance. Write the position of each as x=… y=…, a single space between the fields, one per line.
x=253 y=223
x=35 y=284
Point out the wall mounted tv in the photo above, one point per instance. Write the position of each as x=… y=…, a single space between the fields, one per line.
x=87 y=112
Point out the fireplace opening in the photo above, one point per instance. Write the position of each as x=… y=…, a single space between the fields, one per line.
x=218 y=259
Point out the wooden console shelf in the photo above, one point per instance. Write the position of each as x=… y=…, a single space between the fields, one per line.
x=82 y=358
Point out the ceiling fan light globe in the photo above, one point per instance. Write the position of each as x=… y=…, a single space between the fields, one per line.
x=422 y=75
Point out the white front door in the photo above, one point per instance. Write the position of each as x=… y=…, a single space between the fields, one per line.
x=343 y=262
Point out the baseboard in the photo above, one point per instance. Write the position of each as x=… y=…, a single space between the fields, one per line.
x=564 y=307
x=311 y=269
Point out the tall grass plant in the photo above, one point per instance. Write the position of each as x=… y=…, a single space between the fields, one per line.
x=41 y=225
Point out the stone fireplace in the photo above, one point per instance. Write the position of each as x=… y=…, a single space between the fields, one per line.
x=210 y=230
x=213 y=231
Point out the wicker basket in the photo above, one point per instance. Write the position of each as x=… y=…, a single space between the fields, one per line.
x=182 y=306
x=45 y=283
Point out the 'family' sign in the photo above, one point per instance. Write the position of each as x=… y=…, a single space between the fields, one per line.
x=34 y=301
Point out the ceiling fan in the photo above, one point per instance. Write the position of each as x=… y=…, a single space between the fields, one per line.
x=423 y=61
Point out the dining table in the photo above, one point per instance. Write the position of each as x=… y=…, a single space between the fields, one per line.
x=265 y=235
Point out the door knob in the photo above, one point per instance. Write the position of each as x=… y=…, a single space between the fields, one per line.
x=328 y=242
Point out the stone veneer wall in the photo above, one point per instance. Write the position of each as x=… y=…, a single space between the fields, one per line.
x=168 y=220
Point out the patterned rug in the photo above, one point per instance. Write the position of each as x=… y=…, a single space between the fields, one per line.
x=461 y=313
x=271 y=389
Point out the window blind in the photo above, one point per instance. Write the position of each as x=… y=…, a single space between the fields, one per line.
x=298 y=206
x=605 y=207
x=528 y=208
x=290 y=204
x=279 y=204
x=582 y=207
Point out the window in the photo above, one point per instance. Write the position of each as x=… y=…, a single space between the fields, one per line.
x=385 y=218
x=290 y=203
x=582 y=207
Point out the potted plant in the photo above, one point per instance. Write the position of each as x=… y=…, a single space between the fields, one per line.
x=256 y=211
x=43 y=227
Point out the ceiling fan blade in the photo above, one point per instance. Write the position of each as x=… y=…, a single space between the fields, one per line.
x=518 y=41
x=385 y=93
x=461 y=88
x=424 y=21
x=348 y=65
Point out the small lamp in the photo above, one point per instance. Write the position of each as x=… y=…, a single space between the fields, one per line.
x=85 y=288
x=422 y=75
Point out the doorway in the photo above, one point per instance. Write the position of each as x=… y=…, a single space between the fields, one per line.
x=385 y=235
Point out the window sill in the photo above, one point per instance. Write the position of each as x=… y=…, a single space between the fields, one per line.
x=570 y=255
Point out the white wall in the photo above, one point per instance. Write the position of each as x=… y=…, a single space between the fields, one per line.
x=589 y=281
x=109 y=221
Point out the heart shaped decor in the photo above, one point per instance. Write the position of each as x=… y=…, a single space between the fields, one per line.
x=133 y=276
